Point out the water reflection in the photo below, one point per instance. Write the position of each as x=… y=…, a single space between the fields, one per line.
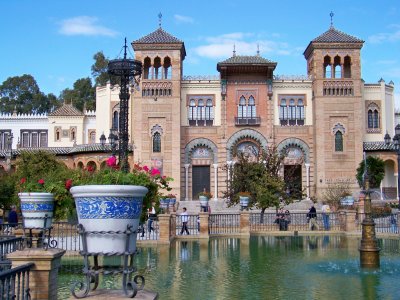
x=267 y=267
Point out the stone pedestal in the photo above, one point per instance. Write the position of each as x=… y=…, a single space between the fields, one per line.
x=164 y=223
x=350 y=224
x=43 y=275
x=245 y=223
x=204 y=217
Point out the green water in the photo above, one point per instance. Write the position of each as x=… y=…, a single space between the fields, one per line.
x=262 y=267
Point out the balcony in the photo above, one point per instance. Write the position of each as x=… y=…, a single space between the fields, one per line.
x=256 y=121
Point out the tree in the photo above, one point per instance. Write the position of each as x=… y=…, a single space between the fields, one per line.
x=82 y=94
x=99 y=69
x=22 y=93
x=376 y=171
x=260 y=175
x=7 y=190
x=336 y=191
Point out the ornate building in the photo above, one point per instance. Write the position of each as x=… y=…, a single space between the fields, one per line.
x=190 y=127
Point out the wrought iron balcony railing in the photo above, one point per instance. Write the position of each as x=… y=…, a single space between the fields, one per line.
x=248 y=121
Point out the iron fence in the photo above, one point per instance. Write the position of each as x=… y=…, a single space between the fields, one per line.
x=294 y=222
x=150 y=230
x=384 y=223
x=193 y=224
x=9 y=244
x=14 y=283
x=224 y=223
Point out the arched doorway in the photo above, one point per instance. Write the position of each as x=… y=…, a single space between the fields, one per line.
x=389 y=184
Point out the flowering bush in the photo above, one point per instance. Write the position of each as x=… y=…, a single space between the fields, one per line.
x=40 y=171
x=112 y=175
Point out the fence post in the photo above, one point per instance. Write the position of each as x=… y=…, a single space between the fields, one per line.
x=164 y=222
x=204 y=218
x=245 y=223
x=43 y=275
x=350 y=220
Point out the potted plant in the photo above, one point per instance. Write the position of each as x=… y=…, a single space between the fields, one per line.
x=109 y=200
x=244 y=199
x=204 y=196
x=172 y=201
x=43 y=188
x=164 y=202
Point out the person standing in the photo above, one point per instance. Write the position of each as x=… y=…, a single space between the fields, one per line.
x=184 y=218
x=13 y=218
x=325 y=215
x=312 y=218
x=151 y=217
x=393 y=223
x=288 y=219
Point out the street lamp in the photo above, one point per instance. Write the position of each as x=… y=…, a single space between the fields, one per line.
x=102 y=139
x=396 y=145
x=128 y=70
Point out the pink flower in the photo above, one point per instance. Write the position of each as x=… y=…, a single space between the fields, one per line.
x=155 y=172
x=90 y=169
x=146 y=168
x=112 y=161
x=41 y=181
x=68 y=184
x=22 y=181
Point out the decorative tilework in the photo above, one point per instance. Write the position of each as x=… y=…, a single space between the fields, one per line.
x=109 y=207
x=37 y=206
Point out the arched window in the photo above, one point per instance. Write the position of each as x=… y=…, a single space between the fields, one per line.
x=300 y=112
x=376 y=119
x=373 y=116
x=209 y=112
x=251 y=109
x=347 y=67
x=338 y=141
x=370 y=119
x=192 y=112
x=200 y=113
x=115 y=121
x=327 y=67
x=146 y=68
x=242 y=108
x=167 y=68
x=73 y=134
x=92 y=137
x=283 y=112
x=337 y=67
x=157 y=68
x=292 y=112
x=156 y=142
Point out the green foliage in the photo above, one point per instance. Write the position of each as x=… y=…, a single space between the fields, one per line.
x=40 y=171
x=83 y=93
x=23 y=94
x=376 y=171
x=259 y=175
x=7 y=190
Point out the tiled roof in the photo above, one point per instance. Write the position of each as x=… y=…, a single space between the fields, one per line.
x=160 y=36
x=336 y=36
x=66 y=110
x=378 y=146
x=238 y=59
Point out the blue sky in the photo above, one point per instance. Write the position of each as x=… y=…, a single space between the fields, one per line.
x=55 y=40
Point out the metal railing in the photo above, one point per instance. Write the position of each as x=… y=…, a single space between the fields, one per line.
x=297 y=222
x=9 y=244
x=193 y=224
x=14 y=283
x=384 y=223
x=224 y=224
x=150 y=230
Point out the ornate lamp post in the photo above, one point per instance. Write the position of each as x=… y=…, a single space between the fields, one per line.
x=113 y=139
x=102 y=139
x=396 y=145
x=127 y=70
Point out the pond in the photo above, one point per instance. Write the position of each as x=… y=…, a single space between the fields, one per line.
x=259 y=267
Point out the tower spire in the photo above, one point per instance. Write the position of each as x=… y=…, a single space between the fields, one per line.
x=331 y=14
x=159 y=19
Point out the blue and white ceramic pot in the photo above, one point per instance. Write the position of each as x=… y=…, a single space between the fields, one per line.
x=164 y=202
x=203 y=201
x=37 y=209
x=109 y=208
x=244 y=201
x=172 y=202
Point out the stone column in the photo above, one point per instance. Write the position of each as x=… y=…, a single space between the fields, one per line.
x=187 y=182
x=204 y=225
x=245 y=223
x=164 y=223
x=215 y=182
x=397 y=186
x=308 y=179
x=44 y=274
x=350 y=220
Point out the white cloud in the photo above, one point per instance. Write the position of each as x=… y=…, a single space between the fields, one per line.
x=222 y=46
x=386 y=36
x=84 y=25
x=386 y=62
x=183 y=19
x=392 y=73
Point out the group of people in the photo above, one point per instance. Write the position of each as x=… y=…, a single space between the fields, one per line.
x=312 y=217
x=283 y=219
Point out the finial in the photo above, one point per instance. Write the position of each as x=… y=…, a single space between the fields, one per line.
x=331 y=14
x=159 y=19
x=125 y=46
x=258 y=49
x=234 y=50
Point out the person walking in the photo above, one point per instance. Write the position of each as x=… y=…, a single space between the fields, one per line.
x=185 y=219
x=325 y=215
x=312 y=218
x=151 y=217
